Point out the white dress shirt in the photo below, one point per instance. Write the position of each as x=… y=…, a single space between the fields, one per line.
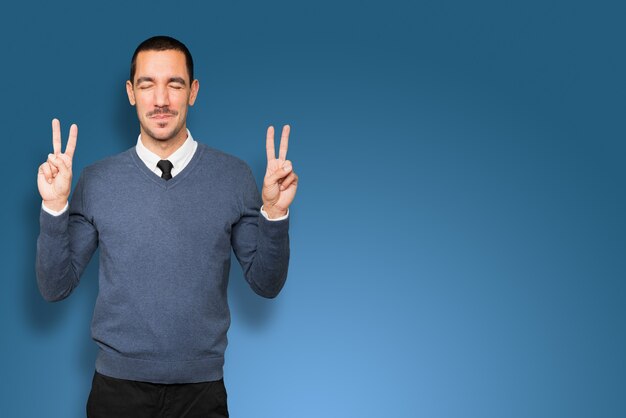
x=179 y=159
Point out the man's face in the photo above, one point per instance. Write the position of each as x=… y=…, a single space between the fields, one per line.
x=162 y=91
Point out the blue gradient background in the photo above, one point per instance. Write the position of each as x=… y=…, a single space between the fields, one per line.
x=458 y=237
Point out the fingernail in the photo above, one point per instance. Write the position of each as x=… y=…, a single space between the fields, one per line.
x=52 y=156
x=287 y=167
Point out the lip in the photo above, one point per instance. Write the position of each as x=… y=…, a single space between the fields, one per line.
x=160 y=116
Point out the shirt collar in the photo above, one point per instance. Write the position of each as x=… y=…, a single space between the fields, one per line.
x=178 y=158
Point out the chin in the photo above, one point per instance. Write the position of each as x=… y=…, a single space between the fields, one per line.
x=163 y=139
x=162 y=134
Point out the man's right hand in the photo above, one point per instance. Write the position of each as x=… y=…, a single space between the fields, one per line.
x=54 y=178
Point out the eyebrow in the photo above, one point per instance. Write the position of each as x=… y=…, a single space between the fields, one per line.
x=171 y=80
x=177 y=80
x=145 y=79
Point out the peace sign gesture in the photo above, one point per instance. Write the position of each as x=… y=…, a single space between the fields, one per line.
x=280 y=182
x=54 y=178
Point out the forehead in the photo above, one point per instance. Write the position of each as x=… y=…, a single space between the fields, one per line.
x=161 y=64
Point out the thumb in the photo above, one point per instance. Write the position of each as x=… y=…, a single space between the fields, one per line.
x=281 y=173
x=57 y=162
x=67 y=160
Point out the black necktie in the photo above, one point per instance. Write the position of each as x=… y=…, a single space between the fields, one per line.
x=166 y=169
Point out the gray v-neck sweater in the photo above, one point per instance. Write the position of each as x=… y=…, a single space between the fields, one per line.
x=162 y=314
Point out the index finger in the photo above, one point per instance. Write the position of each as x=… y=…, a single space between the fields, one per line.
x=269 y=144
x=71 y=142
x=56 y=136
x=284 y=143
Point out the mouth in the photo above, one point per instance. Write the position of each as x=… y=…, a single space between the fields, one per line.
x=162 y=116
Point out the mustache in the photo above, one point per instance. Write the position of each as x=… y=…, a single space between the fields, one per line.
x=162 y=111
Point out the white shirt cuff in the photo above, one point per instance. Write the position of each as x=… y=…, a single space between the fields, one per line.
x=55 y=212
x=275 y=219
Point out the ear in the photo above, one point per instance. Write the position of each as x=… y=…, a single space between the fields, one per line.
x=195 y=86
x=130 y=92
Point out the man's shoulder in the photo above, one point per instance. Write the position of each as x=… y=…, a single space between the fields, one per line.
x=111 y=165
x=223 y=160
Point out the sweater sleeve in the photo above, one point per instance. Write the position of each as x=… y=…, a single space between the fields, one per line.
x=260 y=245
x=65 y=245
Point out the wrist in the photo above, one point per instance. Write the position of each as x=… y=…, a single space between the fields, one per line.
x=55 y=205
x=273 y=212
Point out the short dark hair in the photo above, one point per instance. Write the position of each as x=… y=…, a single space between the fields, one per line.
x=162 y=43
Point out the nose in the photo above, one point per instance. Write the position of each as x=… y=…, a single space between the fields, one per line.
x=161 y=96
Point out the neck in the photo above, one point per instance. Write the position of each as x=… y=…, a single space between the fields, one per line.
x=164 y=148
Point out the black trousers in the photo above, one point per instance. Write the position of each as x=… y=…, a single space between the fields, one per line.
x=118 y=398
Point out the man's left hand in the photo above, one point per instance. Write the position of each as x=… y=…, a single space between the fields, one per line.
x=280 y=182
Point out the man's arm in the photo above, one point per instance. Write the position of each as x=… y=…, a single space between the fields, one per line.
x=68 y=240
x=260 y=242
x=260 y=245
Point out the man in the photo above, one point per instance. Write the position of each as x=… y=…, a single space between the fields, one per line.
x=165 y=215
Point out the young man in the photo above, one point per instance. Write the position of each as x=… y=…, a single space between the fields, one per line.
x=165 y=215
